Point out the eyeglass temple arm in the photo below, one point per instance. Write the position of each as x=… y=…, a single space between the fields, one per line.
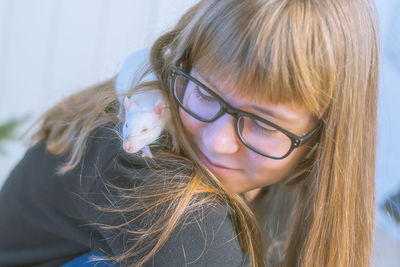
x=304 y=138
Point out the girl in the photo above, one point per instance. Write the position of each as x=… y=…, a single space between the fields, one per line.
x=274 y=106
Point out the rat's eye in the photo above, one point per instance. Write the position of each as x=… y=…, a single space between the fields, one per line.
x=145 y=130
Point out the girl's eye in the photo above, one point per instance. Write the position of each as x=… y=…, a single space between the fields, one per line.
x=202 y=95
x=264 y=129
x=126 y=125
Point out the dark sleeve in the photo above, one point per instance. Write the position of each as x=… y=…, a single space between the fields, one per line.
x=47 y=219
x=208 y=240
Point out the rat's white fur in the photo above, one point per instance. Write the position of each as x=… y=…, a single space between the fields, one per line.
x=142 y=112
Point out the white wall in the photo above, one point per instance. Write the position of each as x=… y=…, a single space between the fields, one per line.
x=52 y=48
x=388 y=175
x=387 y=237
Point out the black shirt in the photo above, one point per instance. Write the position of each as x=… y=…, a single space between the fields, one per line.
x=45 y=218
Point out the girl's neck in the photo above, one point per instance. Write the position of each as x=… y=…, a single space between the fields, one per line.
x=250 y=195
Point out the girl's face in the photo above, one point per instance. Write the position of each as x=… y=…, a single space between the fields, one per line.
x=239 y=168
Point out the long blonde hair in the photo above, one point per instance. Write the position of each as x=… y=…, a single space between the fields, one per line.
x=318 y=53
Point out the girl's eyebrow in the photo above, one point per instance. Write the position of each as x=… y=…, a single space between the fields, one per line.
x=267 y=112
x=274 y=114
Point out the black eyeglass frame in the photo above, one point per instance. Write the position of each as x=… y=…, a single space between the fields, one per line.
x=296 y=140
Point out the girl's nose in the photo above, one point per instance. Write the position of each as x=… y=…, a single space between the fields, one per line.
x=220 y=136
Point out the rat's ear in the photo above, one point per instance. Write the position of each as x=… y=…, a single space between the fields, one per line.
x=127 y=103
x=159 y=108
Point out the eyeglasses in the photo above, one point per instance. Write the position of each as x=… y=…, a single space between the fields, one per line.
x=256 y=133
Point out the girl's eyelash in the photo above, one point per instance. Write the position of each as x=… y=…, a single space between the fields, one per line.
x=202 y=96
x=264 y=130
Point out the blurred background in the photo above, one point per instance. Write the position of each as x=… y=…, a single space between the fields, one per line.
x=51 y=49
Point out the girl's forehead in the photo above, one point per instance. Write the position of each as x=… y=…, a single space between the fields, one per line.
x=285 y=112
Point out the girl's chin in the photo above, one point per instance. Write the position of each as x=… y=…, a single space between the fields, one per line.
x=235 y=183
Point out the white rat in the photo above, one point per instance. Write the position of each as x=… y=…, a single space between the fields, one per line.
x=146 y=116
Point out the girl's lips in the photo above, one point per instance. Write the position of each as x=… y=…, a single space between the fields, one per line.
x=216 y=168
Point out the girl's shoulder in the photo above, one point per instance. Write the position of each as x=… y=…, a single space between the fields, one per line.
x=88 y=198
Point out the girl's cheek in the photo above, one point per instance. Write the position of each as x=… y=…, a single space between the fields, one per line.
x=191 y=124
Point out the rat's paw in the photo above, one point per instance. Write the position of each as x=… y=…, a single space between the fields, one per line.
x=175 y=148
x=146 y=153
x=175 y=145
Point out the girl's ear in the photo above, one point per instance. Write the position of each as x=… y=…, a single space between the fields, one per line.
x=127 y=103
x=159 y=108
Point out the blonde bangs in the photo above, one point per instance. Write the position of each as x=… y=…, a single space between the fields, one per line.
x=245 y=47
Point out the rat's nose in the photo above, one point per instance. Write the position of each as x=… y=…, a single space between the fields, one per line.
x=130 y=146
x=127 y=146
